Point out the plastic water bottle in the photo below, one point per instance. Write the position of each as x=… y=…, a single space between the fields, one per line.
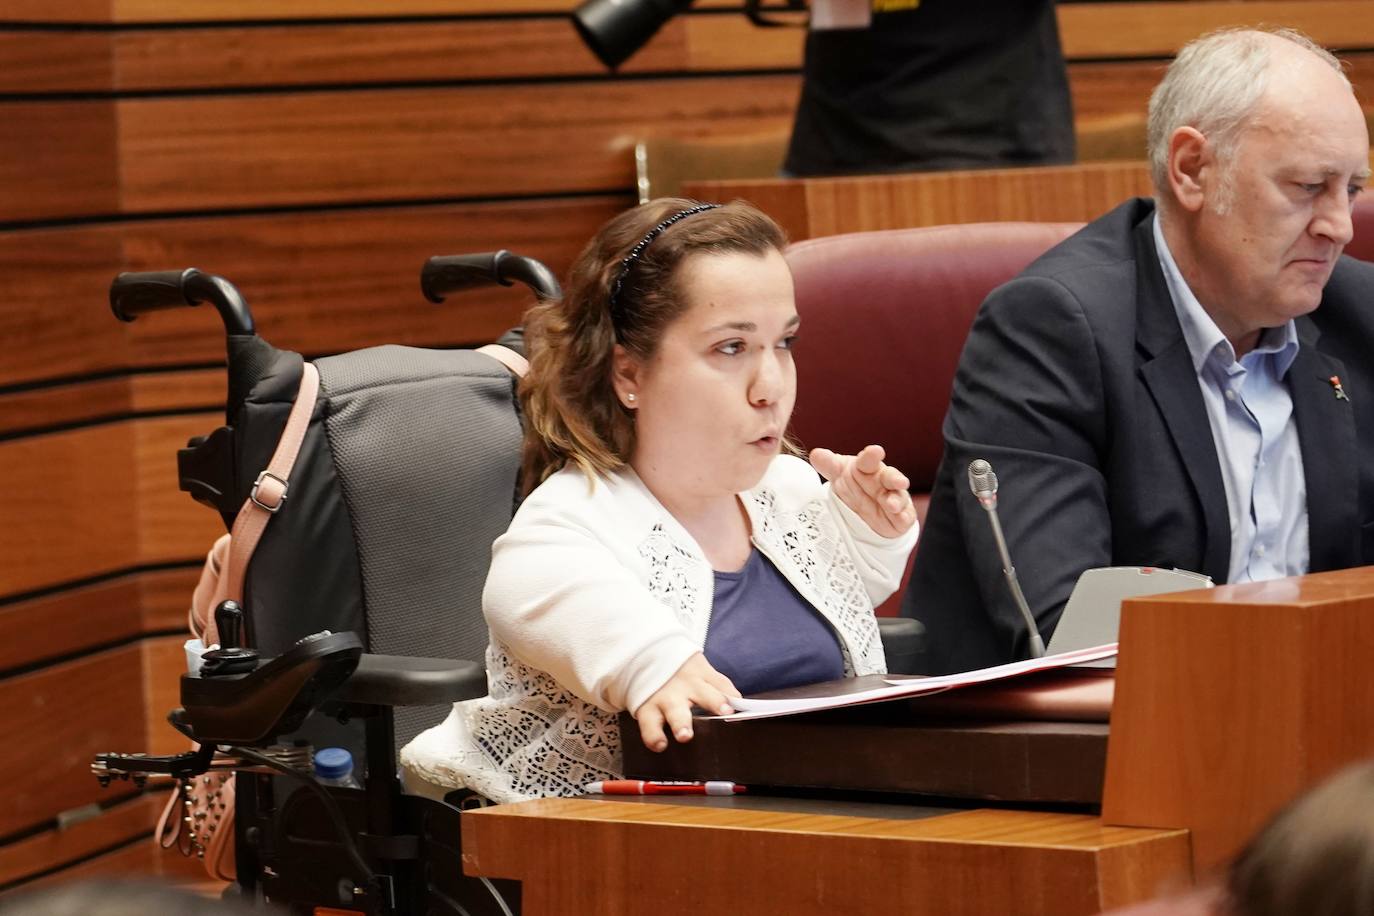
x=334 y=767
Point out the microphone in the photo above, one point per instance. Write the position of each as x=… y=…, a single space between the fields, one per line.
x=983 y=482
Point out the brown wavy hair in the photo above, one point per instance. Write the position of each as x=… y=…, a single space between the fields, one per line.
x=570 y=405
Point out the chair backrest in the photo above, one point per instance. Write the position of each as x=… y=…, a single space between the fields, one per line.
x=884 y=318
x=662 y=164
x=407 y=473
x=1362 y=245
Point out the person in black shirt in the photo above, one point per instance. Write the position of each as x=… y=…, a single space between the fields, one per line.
x=934 y=84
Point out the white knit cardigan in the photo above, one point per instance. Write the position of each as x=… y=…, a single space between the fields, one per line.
x=597 y=595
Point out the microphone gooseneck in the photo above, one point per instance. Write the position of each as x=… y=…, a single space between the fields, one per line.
x=983 y=482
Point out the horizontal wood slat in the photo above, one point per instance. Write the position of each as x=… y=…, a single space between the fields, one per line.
x=362 y=52
x=809 y=208
x=333 y=147
x=138 y=859
x=79 y=619
x=97 y=500
x=164 y=661
x=318 y=282
x=1144 y=29
x=135 y=11
x=57 y=159
x=56 y=720
x=330 y=147
x=123 y=822
x=63 y=61
x=1113 y=89
x=143 y=11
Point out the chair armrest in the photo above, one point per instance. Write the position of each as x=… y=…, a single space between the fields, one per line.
x=400 y=680
x=904 y=641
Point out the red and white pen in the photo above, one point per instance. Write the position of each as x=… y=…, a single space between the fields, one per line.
x=654 y=787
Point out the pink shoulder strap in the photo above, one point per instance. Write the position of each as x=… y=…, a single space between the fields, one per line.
x=507 y=357
x=268 y=493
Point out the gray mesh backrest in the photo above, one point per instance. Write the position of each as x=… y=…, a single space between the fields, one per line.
x=427 y=445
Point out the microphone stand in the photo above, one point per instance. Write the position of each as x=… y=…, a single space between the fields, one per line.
x=983 y=483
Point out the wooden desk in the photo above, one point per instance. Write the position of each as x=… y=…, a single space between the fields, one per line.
x=794 y=857
x=814 y=207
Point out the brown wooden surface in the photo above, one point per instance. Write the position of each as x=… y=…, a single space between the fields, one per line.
x=413 y=144
x=57 y=719
x=56 y=62
x=88 y=617
x=808 y=208
x=123 y=821
x=621 y=857
x=888 y=747
x=362 y=52
x=318 y=282
x=1087 y=28
x=1230 y=701
x=57 y=159
x=98 y=500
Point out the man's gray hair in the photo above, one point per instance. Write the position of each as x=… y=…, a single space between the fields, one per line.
x=1214 y=85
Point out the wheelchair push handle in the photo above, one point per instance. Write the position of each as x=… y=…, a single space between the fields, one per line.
x=133 y=294
x=447 y=274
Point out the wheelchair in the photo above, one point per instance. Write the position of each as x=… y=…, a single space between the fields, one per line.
x=359 y=623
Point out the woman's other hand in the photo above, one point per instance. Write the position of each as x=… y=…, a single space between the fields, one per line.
x=696 y=683
x=877 y=492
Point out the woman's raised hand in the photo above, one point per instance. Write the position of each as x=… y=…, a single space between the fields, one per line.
x=877 y=492
x=696 y=683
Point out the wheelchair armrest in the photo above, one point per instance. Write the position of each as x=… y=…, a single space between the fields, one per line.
x=904 y=640
x=400 y=680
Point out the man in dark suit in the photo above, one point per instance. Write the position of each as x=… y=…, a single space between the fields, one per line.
x=1186 y=382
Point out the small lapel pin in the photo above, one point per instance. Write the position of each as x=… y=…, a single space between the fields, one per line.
x=1336 y=386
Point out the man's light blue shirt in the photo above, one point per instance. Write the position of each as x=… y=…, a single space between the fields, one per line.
x=1251 y=415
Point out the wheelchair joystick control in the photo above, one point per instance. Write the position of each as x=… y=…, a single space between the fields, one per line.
x=231 y=657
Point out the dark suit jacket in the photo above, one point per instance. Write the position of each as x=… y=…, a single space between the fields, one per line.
x=1077 y=385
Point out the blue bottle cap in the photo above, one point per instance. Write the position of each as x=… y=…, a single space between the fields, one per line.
x=333 y=762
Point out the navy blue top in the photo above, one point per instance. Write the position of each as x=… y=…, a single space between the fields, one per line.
x=764 y=636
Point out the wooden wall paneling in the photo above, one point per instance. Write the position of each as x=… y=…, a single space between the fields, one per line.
x=57 y=61
x=163 y=663
x=409 y=144
x=829 y=206
x=57 y=159
x=99 y=499
x=137 y=857
x=132 y=11
x=321 y=282
x=69 y=11
x=171 y=526
x=87 y=617
x=55 y=318
x=329 y=282
x=69 y=510
x=363 y=52
x=1123 y=87
x=55 y=720
x=1159 y=29
x=123 y=821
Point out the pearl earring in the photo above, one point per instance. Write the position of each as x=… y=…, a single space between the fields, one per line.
x=630 y=397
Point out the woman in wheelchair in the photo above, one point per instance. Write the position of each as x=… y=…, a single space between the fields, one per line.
x=675 y=552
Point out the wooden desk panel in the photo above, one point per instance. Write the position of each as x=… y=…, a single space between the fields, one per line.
x=1231 y=701
x=814 y=207
x=619 y=857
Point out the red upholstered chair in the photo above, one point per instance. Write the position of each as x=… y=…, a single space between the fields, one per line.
x=1362 y=246
x=884 y=317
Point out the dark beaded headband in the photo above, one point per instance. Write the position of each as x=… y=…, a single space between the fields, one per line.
x=628 y=262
